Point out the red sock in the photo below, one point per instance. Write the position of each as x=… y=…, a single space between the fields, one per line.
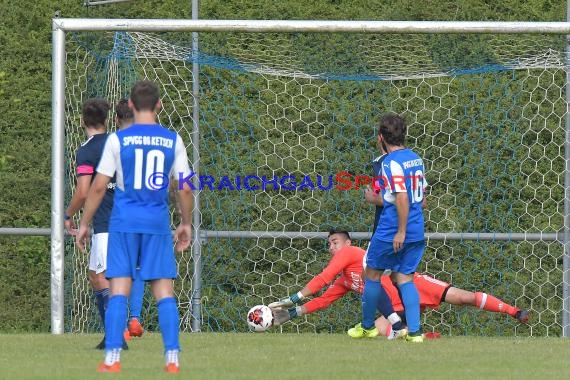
x=488 y=302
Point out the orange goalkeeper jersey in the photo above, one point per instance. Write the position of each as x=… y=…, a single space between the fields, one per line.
x=348 y=263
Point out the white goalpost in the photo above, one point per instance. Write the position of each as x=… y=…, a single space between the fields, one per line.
x=495 y=131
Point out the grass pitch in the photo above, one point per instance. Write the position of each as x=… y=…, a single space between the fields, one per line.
x=290 y=356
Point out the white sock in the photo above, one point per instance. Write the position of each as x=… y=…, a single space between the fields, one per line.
x=171 y=356
x=112 y=356
x=394 y=318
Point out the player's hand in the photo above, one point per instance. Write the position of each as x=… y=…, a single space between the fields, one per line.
x=183 y=237
x=280 y=316
x=399 y=241
x=370 y=195
x=81 y=237
x=373 y=196
x=282 y=303
x=70 y=227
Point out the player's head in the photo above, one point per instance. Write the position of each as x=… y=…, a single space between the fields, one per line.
x=123 y=114
x=145 y=96
x=94 y=113
x=392 y=130
x=338 y=239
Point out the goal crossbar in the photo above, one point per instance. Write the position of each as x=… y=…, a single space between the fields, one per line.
x=311 y=26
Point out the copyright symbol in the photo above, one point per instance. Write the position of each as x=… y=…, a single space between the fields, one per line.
x=157 y=181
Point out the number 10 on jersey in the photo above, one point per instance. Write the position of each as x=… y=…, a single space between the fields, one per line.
x=154 y=176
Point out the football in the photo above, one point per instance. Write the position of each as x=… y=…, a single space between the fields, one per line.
x=259 y=318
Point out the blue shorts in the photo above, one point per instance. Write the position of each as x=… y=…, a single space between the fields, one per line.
x=153 y=254
x=381 y=255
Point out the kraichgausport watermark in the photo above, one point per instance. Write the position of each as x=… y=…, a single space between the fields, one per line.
x=340 y=181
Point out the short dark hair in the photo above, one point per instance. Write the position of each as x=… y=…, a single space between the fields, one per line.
x=123 y=111
x=94 y=112
x=340 y=232
x=393 y=129
x=145 y=95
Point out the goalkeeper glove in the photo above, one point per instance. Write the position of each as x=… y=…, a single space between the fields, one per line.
x=280 y=316
x=287 y=302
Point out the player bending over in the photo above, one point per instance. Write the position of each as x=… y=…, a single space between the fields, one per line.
x=432 y=291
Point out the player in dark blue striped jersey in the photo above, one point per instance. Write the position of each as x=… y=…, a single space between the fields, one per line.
x=94 y=120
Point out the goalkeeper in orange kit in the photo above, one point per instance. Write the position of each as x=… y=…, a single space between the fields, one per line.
x=347 y=260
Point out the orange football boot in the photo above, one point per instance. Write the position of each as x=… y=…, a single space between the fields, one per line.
x=135 y=328
x=113 y=368
x=172 y=368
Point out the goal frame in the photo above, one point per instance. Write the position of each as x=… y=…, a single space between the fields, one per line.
x=60 y=26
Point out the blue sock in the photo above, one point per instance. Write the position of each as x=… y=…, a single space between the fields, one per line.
x=370 y=297
x=411 y=301
x=168 y=321
x=386 y=308
x=136 y=297
x=102 y=299
x=115 y=322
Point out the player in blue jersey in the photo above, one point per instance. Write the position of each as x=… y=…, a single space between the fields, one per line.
x=398 y=242
x=144 y=157
x=94 y=120
x=124 y=118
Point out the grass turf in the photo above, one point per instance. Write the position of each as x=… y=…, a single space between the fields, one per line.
x=289 y=356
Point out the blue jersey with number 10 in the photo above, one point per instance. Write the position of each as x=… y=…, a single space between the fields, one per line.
x=402 y=171
x=144 y=158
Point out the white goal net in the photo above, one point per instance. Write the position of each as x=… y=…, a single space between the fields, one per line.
x=486 y=112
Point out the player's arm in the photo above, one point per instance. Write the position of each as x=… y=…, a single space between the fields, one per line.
x=79 y=196
x=403 y=210
x=339 y=261
x=184 y=196
x=85 y=170
x=184 y=200
x=77 y=201
x=333 y=293
x=94 y=198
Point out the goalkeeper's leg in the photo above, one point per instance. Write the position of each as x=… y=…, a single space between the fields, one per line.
x=485 y=301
